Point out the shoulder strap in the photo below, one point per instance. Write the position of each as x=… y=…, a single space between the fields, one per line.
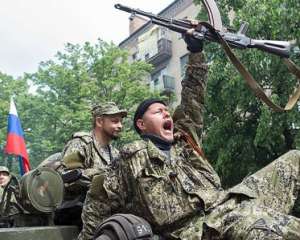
x=187 y=138
x=85 y=136
x=256 y=88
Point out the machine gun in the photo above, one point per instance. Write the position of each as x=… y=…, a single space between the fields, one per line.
x=204 y=32
x=215 y=32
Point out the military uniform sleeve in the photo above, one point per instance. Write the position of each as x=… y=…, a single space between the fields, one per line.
x=76 y=145
x=188 y=116
x=104 y=198
x=76 y=156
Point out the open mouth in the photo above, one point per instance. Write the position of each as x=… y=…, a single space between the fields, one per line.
x=168 y=125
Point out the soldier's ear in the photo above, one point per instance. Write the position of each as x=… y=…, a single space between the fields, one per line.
x=140 y=124
x=99 y=121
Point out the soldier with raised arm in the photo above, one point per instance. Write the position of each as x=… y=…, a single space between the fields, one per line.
x=165 y=178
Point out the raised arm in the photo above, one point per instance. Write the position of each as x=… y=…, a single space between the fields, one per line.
x=188 y=116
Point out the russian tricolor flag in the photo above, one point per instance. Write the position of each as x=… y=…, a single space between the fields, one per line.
x=15 y=143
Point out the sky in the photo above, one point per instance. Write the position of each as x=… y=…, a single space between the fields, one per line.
x=33 y=31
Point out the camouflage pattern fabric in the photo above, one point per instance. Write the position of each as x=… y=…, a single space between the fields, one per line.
x=108 y=108
x=181 y=195
x=4 y=169
x=103 y=200
x=8 y=200
x=263 y=216
x=94 y=157
x=91 y=158
x=54 y=161
x=1 y=196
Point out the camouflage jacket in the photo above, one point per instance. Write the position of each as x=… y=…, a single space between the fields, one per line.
x=93 y=156
x=8 y=202
x=168 y=191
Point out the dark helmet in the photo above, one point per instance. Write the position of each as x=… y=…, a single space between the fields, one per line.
x=123 y=227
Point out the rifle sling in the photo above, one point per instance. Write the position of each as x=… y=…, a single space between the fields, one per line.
x=187 y=138
x=2 y=203
x=258 y=91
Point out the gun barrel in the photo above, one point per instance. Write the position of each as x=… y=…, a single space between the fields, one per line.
x=152 y=16
x=140 y=12
x=280 y=48
x=123 y=8
x=173 y=27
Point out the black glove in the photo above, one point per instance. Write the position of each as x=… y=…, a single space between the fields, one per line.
x=193 y=45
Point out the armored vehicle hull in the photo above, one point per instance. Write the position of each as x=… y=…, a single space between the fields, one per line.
x=40 y=233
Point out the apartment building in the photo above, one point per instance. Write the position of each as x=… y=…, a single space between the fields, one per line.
x=164 y=49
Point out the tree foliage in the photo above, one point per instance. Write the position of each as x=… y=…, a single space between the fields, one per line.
x=242 y=134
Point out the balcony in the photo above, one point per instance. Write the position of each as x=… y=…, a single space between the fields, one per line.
x=164 y=52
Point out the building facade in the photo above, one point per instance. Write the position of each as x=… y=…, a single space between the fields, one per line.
x=161 y=47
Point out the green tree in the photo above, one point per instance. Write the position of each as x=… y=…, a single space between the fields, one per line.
x=255 y=135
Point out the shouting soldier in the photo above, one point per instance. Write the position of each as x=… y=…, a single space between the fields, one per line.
x=165 y=178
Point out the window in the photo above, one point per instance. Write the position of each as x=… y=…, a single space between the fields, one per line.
x=183 y=62
x=134 y=56
x=155 y=78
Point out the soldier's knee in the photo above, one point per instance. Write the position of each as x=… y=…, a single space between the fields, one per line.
x=262 y=234
x=292 y=157
x=261 y=229
x=294 y=152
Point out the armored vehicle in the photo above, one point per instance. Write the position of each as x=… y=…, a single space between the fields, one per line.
x=28 y=206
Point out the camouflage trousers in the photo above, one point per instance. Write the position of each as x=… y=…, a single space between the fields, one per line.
x=264 y=217
x=96 y=208
x=89 y=217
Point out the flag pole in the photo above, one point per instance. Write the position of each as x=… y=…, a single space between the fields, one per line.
x=15 y=143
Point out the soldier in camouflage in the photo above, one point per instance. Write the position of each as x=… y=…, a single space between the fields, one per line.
x=8 y=201
x=4 y=176
x=166 y=179
x=4 y=180
x=92 y=151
